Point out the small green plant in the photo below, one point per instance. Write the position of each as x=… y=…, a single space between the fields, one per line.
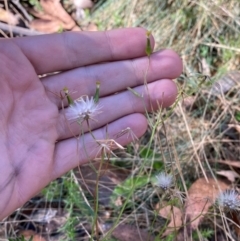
x=237 y=116
x=36 y=4
x=205 y=233
x=22 y=238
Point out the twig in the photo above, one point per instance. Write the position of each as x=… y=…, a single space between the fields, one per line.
x=22 y=9
x=19 y=30
x=3 y=34
x=221 y=46
x=9 y=26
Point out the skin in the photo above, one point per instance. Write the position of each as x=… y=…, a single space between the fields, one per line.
x=36 y=141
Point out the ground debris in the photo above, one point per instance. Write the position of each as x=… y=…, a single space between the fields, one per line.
x=201 y=196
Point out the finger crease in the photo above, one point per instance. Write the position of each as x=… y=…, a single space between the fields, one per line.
x=135 y=72
x=106 y=33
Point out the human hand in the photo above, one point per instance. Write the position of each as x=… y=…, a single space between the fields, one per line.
x=36 y=142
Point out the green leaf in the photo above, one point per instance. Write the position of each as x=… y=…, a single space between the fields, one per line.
x=146 y=153
x=158 y=165
x=237 y=116
x=130 y=185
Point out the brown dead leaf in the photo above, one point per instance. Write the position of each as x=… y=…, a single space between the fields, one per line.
x=118 y=202
x=188 y=102
x=173 y=214
x=55 y=9
x=46 y=26
x=92 y=27
x=201 y=196
x=28 y=234
x=229 y=174
x=40 y=14
x=228 y=162
x=8 y=17
x=124 y=232
x=52 y=18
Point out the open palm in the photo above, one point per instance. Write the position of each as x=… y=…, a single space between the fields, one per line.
x=37 y=143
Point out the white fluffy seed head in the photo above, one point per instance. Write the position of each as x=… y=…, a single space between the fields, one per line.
x=164 y=180
x=229 y=199
x=83 y=109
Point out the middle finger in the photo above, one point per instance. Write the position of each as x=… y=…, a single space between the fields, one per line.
x=113 y=76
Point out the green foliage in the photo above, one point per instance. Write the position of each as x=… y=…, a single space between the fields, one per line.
x=237 y=116
x=22 y=238
x=67 y=190
x=170 y=237
x=118 y=20
x=148 y=153
x=60 y=30
x=35 y=3
x=130 y=185
x=158 y=166
x=148 y=48
x=70 y=227
x=130 y=188
x=96 y=95
x=110 y=239
x=187 y=17
x=53 y=191
x=231 y=43
x=205 y=233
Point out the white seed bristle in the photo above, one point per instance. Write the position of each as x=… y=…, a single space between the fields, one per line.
x=164 y=180
x=229 y=199
x=83 y=109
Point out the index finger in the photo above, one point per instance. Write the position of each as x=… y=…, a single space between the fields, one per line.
x=59 y=52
